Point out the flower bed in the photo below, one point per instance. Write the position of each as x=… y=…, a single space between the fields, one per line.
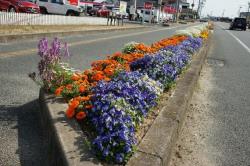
x=116 y=94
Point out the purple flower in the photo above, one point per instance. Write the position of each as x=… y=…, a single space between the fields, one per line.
x=119 y=158
x=43 y=47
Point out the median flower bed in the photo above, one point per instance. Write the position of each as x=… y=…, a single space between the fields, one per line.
x=116 y=94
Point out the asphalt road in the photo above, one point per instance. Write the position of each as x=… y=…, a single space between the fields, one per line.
x=217 y=127
x=21 y=136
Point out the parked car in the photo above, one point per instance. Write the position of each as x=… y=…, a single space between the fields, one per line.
x=93 y=11
x=204 y=20
x=119 y=14
x=22 y=6
x=103 y=12
x=238 y=23
x=60 y=7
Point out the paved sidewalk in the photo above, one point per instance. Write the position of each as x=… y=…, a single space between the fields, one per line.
x=30 y=29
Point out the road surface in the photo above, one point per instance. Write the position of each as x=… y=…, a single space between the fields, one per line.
x=217 y=127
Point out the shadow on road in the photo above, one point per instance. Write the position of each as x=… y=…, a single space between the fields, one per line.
x=31 y=147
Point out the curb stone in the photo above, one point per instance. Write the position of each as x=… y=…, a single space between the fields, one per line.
x=66 y=139
x=17 y=37
x=163 y=134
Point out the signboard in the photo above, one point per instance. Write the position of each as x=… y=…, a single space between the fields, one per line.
x=132 y=9
x=148 y=5
x=73 y=2
x=169 y=9
x=123 y=7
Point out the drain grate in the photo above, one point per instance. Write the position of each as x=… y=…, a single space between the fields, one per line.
x=215 y=62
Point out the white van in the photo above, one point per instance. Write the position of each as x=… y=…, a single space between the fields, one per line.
x=61 y=7
x=146 y=14
x=152 y=16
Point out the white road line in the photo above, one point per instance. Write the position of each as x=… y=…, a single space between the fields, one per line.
x=237 y=39
x=77 y=43
x=124 y=35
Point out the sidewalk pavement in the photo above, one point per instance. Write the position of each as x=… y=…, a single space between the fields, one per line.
x=18 y=32
x=10 y=33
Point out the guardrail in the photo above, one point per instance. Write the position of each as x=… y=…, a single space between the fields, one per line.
x=10 y=18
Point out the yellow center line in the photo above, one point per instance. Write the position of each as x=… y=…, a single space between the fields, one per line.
x=77 y=43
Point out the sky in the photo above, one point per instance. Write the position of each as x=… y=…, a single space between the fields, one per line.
x=216 y=7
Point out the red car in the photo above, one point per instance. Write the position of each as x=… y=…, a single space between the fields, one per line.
x=22 y=6
x=103 y=12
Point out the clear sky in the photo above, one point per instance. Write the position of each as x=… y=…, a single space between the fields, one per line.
x=216 y=7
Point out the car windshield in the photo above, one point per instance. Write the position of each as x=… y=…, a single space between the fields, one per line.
x=33 y=1
x=240 y=20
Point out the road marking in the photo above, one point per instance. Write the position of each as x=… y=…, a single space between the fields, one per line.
x=34 y=50
x=237 y=39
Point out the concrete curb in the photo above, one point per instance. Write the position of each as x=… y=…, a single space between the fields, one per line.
x=16 y=37
x=66 y=139
x=156 y=146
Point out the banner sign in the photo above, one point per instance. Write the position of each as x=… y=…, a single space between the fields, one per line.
x=169 y=9
x=123 y=7
x=148 y=5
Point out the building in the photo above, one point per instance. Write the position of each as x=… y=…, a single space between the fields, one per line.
x=245 y=15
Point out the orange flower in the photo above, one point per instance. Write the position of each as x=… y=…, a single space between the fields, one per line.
x=109 y=71
x=70 y=112
x=82 y=88
x=74 y=104
x=84 y=77
x=97 y=77
x=69 y=87
x=107 y=79
x=80 y=115
x=59 y=91
x=78 y=98
x=75 y=77
x=85 y=98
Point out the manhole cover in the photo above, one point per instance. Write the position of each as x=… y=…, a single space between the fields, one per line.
x=215 y=62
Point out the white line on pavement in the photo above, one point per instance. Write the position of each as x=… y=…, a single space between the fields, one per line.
x=77 y=43
x=124 y=35
x=237 y=39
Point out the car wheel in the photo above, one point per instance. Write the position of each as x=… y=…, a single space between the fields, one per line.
x=12 y=9
x=43 y=10
x=70 y=14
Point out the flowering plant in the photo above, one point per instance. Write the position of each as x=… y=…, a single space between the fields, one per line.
x=129 y=47
x=116 y=114
x=117 y=93
x=51 y=71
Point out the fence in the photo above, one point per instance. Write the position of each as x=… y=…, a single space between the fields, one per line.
x=9 y=18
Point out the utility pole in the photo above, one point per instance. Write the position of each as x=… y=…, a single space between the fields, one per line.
x=135 y=4
x=239 y=10
x=159 y=12
x=177 y=8
x=193 y=9
x=223 y=13
x=248 y=16
x=198 y=9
